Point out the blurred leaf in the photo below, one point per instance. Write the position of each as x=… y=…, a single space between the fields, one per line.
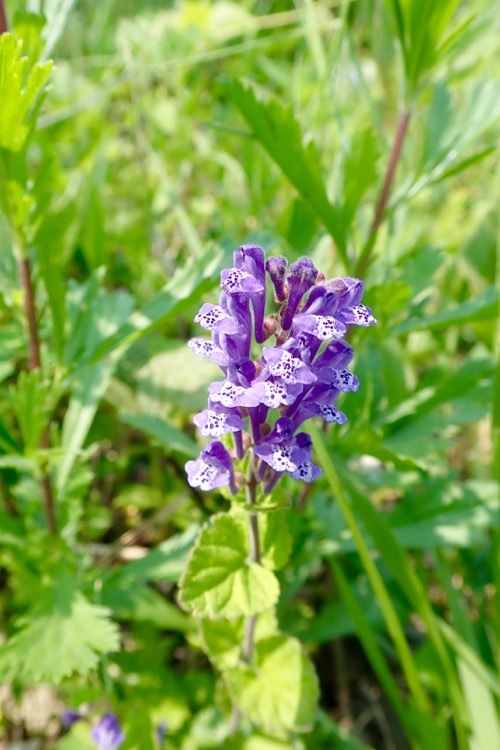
x=219 y=581
x=87 y=394
x=189 y=283
x=278 y=131
x=482 y=709
x=360 y=173
x=421 y=26
x=57 y=13
x=144 y=604
x=166 y=562
x=482 y=307
x=370 y=645
x=470 y=658
x=167 y=435
x=20 y=97
x=280 y=690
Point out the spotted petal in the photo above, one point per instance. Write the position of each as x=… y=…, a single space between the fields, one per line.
x=322 y=327
x=216 y=423
x=209 y=350
x=214 y=318
x=359 y=315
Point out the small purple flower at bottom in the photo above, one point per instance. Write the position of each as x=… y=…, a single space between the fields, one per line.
x=70 y=717
x=161 y=731
x=107 y=733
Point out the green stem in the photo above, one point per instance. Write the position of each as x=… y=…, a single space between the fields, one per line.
x=255 y=557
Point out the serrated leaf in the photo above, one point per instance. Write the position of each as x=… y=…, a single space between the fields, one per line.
x=222 y=639
x=18 y=93
x=279 y=132
x=220 y=581
x=280 y=690
x=63 y=634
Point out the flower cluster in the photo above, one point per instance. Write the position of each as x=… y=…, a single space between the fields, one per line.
x=300 y=376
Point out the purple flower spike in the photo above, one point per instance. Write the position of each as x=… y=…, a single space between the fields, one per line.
x=302 y=277
x=70 y=717
x=276 y=268
x=107 y=733
x=213 y=468
x=300 y=376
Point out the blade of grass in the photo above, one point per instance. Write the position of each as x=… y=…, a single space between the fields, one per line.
x=397 y=560
x=389 y=613
x=373 y=651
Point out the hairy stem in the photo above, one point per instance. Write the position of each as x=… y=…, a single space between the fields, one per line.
x=35 y=362
x=255 y=557
x=383 y=199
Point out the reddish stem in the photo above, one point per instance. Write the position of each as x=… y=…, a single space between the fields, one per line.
x=35 y=362
x=383 y=199
x=402 y=128
x=3 y=18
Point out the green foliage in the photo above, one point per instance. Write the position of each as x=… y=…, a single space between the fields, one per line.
x=280 y=691
x=219 y=581
x=278 y=131
x=125 y=186
x=19 y=93
x=63 y=633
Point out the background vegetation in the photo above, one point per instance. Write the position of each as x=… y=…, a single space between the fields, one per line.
x=171 y=132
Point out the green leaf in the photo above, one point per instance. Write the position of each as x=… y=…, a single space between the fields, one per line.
x=482 y=709
x=220 y=581
x=88 y=392
x=19 y=93
x=280 y=690
x=189 y=283
x=279 y=132
x=144 y=604
x=375 y=655
x=222 y=639
x=276 y=540
x=57 y=15
x=63 y=633
x=167 y=435
x=167 y=562
x=482 y=307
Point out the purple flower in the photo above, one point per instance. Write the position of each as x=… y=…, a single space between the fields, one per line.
x=70 y=717
x=213 y=468
x=298 y=375
x=301 y=278
x=161 y=730
x=107 y=733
